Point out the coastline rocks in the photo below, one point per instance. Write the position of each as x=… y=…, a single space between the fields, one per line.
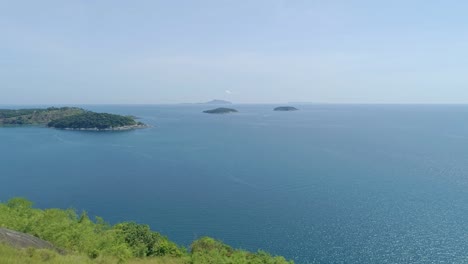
x=22 y=240
x=122 y=128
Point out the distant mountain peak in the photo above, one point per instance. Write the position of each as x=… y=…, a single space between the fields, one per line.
x=216 y=101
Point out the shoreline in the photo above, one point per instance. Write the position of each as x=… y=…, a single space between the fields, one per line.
x=122 y=128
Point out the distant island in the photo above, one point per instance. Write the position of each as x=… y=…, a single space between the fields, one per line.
x=219 y=102
x=221 y=110
x=285 y=108
x=70 y=118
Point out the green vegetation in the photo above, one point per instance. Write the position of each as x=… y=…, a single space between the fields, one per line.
x=36 y=116
x=220 y=110
x=91 y=120
x=87 y=241
x=285 y=108
x=10 y=255
x=68 y=118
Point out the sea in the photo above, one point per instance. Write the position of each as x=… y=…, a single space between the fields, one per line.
x=325 y=184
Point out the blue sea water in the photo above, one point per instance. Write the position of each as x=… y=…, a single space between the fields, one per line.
x=326 y=184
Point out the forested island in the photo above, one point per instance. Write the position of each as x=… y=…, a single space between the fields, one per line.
x=36 y=116
x=71 y=118
x=95 y=121
x=64 y=236
x=285 y=108
x=220 y=110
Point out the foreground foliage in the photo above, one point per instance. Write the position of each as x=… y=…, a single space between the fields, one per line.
x=87 y=241
x=10 y=255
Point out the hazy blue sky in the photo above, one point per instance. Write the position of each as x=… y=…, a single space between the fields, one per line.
x=171 y=51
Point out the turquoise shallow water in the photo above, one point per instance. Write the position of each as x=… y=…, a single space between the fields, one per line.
x=326 y=184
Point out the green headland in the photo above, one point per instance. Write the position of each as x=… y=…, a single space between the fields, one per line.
x=71 y=118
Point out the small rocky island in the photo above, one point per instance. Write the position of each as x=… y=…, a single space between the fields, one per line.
x=221 y=110
x=285 y=108
x=69 y=118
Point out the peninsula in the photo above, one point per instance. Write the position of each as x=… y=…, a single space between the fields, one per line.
x=220 y=110
x=70 y=118
x=285 y=108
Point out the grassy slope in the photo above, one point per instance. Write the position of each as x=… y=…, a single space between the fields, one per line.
x=10 y=255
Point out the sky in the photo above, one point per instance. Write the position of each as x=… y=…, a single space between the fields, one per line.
x=245 y=51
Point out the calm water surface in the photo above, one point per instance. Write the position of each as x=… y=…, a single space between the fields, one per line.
x=326 y=184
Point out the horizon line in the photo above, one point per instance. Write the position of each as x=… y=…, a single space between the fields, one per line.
x=232 y=103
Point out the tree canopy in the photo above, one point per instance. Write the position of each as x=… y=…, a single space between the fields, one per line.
x=89 y=120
